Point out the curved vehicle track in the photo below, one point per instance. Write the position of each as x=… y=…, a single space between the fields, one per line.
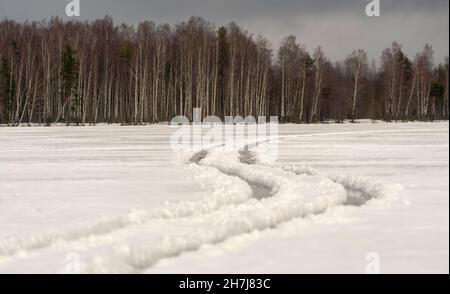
x=248 y=195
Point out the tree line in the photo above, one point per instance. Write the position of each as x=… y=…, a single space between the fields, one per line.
x=90 y=72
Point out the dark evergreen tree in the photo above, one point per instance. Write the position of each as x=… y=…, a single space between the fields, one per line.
x=5 y=91
x=69 y=77
x=223 y=60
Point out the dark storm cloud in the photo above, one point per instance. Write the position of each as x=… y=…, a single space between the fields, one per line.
x=338 y=25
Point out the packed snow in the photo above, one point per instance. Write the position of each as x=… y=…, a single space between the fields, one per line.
x=113 y=199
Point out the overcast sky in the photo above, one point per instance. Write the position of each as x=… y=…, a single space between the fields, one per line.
x=339 y=26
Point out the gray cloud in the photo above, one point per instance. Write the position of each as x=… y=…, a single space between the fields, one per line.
x=338 y=25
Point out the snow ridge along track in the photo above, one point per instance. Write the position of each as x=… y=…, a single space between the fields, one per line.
x=260 y=196
x=292 y=196
x=289 y=193
x=108 y=225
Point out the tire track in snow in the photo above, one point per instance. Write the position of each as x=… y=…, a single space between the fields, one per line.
x=11 y=246
x=360 y=190
x=279 y=180
x=292 y=196
x=217 y=199
x=357 y=188
x=260 y=189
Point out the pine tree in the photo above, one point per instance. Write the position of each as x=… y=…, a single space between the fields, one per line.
x=5 y=90
x=223 y=60
x=437 y=96
x=69 y=77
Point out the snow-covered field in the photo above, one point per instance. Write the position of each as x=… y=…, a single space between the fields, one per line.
x=339 y=199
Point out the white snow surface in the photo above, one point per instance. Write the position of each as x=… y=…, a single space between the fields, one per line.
x=112 y=199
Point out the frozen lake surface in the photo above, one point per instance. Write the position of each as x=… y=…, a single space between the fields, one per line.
x=347 y=198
